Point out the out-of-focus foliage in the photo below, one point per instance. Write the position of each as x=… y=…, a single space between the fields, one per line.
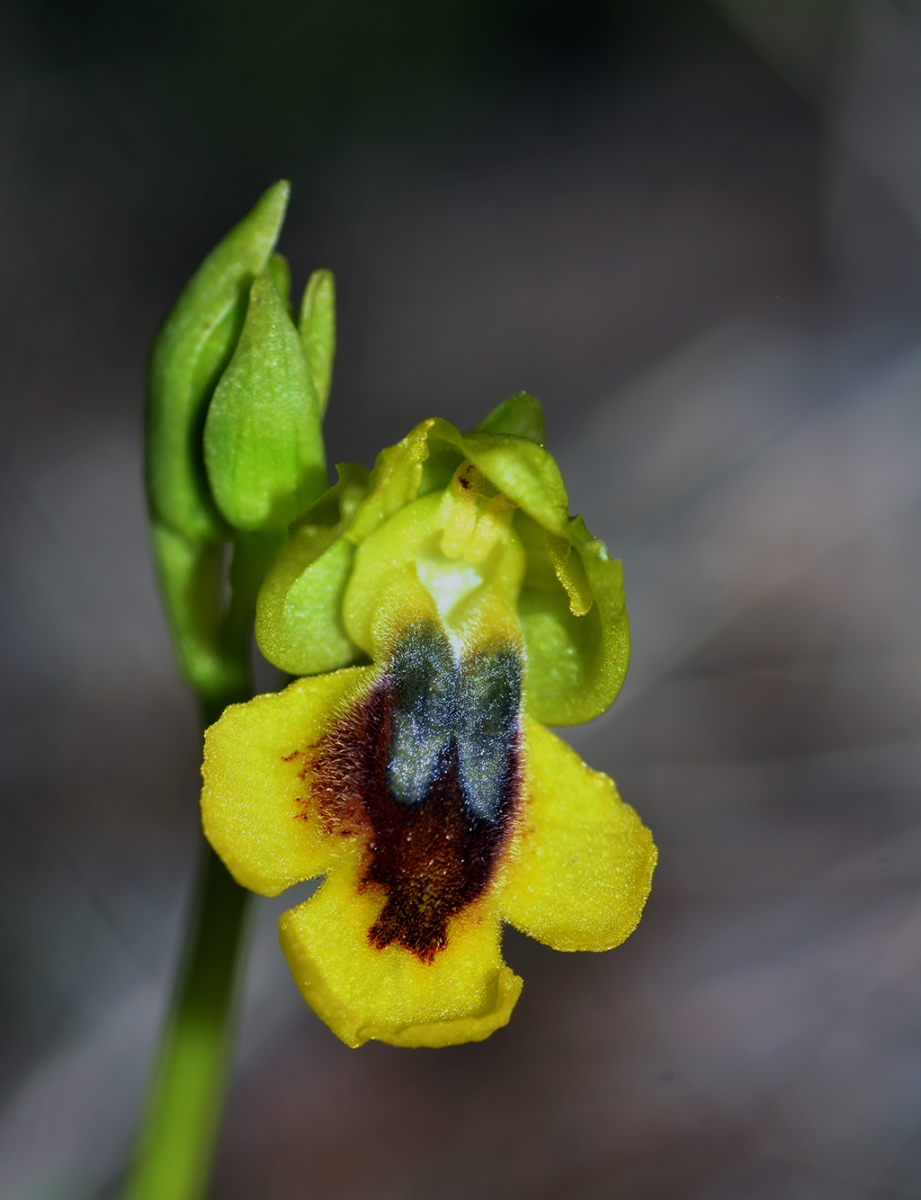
x=252 y=76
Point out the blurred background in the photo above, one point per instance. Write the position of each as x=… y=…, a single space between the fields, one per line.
x=694 y=231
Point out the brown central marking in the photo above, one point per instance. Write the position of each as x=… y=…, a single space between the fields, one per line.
x=431 y=784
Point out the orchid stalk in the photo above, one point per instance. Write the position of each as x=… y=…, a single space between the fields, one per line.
x=438 y=612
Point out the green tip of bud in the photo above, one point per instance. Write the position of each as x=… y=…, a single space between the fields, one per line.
x=263 y=444
x=317 y=327
x=280 y=270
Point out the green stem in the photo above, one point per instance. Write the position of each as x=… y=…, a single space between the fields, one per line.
x=180 y=1124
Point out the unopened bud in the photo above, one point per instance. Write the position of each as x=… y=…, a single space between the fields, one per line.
x=263 y=444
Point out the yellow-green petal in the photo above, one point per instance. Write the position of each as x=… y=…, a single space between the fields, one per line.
x=257 y=810
x=582 y=863
x=574 y=619
x=395 y=481
x=391 y=995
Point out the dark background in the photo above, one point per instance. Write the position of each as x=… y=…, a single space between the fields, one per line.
x=693 y=231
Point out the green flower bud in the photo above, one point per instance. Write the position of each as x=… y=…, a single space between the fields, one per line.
x=475 y=524
x=190 y=352
x=317 y=327
x=234 y=449
x=263 y=445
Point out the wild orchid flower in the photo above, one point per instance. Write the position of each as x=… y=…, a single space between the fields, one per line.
x=438 y=612
x=422 y=782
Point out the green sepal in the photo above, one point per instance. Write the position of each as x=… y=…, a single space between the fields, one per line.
x=317 y=327
x=574 y=618
x=299 y=613
x=522 y=414
x=263 y=443
x=191 y=350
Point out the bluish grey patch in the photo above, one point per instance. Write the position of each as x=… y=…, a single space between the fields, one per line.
x=441 y=705
x=423 y=672
x=488 y=700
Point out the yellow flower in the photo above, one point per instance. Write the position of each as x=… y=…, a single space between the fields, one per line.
x=420 y=782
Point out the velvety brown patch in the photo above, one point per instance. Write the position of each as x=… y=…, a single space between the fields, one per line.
x=435 y=855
